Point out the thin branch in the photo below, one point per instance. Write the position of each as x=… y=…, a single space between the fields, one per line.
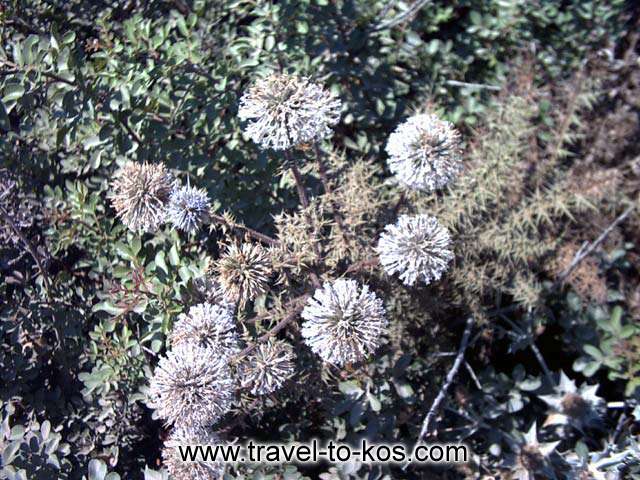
x=586 y=251
x=464 y=342
x=304 y=200
x=297 y=306
x=322 y=169
x=30 y=249
x=479 y=86
x=407 y=15
x=221 y=220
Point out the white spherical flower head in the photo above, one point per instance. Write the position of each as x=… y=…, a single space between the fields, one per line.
x=344 y=322
x=209 y=326
x=198 y=470
x=192 y=386
x=267 y=368
x=424 y=152
x=283 y=111
x=188 y=208
x=417 y=247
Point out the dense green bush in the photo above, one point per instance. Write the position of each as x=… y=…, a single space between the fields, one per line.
x=536 y=88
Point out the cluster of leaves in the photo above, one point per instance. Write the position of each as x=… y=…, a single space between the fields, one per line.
x=86 y=86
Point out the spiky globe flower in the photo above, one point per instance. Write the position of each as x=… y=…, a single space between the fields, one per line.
x=192 y=386
x=417 y=247
x=243 y=271
x=344 y=322
x=140 y=195
x=209 y=326
x=283 y=111
x=424 y=152
x=188 y=208
x=267 y=367
x=196 y=470
x=578 y=406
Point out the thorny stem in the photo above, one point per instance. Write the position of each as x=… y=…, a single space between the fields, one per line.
x=289 y=318
x=299 y=185
x=464 y=342
x=322 y=169
x=304 y=200
x=405 y=16
x=30 y=249
x=249 y=231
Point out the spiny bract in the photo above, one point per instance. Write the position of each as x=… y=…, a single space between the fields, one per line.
x=283 y=111
x=417 y=247
x=424 y=152
x=344 y=322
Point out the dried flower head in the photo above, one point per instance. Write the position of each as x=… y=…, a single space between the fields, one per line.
x=243 y=271
x=209 y=326
x=570 y=404
x=267 y=367
x=416 y=247
x=188 y=208
x=192 y=386
x=532 y=456
x=140 y=195
x=424 y=152
x=344 y=322
x=197 y=470
x=286 y=110
x=210 y=289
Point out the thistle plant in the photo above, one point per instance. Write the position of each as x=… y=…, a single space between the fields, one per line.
x=192 y=386
x=416 y=247
x=344 y=322
x=424 y=152
x=140 y=195
x=267 y=368
x=577 y=406
x=198 y=470
x=188 y=208
x=283 y=111
x=208 y=326
x=243 y=271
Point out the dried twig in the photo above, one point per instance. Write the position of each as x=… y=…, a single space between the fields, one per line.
x=221 y=220
x=464 y=342
x=407 y=15
x=32 y=251
x=586 y=251
x=296 y=306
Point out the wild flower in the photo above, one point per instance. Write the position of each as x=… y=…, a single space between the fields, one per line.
x=244 y=271
x=197 y=470
x=424 y=152
x=192 y=386
x=209 y=326
x=417 y=247
x=283 y=111
x=578 y=406
x=140 y=195
x=344 y=322
x=267 y=367
x=188 y=208
x=532 y=457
